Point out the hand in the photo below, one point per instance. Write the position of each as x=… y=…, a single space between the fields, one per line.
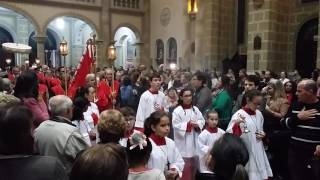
x=307 y=114
x=114 y=101
x=113 y=94
x=171 y=174
x=317 y=152
x=241 y=119
x=92 y=135
x=260 y=135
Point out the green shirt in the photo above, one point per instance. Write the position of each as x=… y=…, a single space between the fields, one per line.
x=222 y=103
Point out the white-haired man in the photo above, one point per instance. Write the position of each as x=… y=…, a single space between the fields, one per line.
x=58 y=137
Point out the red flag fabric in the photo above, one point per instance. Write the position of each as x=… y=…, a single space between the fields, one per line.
x=82 y=71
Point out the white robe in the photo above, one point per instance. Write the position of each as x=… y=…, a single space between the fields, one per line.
x=93 y=108
x=258 y=166
x=123 y=141
x=84 y=130
x=206 y=141
x=186 y=142
x=147 y=106
x=161 y=155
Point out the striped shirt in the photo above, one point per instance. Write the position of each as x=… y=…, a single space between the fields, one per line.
x=305 y=133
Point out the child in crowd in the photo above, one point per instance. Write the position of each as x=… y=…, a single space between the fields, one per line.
x=187 y=122
x=80 y=105
x=151 y=100
x=164 y=156
x=130 y=118
x=138 y=150
x=207 y=138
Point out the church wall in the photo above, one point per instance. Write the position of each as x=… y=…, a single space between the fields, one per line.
x=277 y=23
x=177 y=27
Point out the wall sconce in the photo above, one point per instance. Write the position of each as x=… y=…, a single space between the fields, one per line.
x=8 y=61
x=37 y=61
x=111 y=51
x=64 y=52
x=26 y=62
x=192 y=8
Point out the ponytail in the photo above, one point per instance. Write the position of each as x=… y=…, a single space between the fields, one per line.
x=240 y=173
x=147 y=127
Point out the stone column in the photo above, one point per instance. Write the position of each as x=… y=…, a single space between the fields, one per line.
x=139 y=52
x=41 y=39
x=269 y=20
x=105 y=22
x=145 y=36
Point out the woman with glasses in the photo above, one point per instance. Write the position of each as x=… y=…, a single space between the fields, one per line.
x=187 y=122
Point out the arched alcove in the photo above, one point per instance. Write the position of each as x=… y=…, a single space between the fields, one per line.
x=159 y=52
x=76 y=32
x=171 y=51
x=125 y=44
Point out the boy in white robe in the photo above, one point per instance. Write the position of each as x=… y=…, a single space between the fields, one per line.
x=150 y=101
x=248 y=124
x=207 y=138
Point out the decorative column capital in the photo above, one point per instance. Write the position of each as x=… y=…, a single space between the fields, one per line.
x=40 y=38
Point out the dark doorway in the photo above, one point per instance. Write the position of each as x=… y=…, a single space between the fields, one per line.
x=50 y=44
x=5 y=36
x=306 y=50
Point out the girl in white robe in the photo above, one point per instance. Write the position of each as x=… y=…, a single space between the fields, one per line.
x=164 y=156
x=187 y=122
x=248 y=124
x=207 y=138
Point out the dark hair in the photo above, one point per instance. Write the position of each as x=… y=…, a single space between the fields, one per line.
x=27 y=85
x=225 y=82
x=253 y=78
x=101 y=162
x=80 y=105
x=137 y=156
x=230 y=155
x=180 y=102
x=126 y=80
x=210 y=112
x=201 y=77
x=15 y=131
x=153 y=119
x=82 y=91
x=154 y=75
x=249 y=95
x=127 y=111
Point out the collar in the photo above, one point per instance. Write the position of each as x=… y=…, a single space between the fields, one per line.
x=249 y=111
x=186 y=106
x=212 y=130
x=159 y=141
x=62 y=120
x=153 y=92
x=128 y=133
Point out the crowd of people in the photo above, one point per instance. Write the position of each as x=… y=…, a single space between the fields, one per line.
x=142 y=123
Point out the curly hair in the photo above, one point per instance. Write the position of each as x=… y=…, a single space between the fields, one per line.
x=111 y=126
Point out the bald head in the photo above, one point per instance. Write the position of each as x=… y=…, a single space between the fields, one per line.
x=309 y=85
x=90 y=80
x=307 y=91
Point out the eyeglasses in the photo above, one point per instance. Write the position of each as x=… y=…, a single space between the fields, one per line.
x=188 y=95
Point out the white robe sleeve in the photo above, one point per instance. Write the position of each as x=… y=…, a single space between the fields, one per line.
x=174 y=157
x=232 y=123
x=179 y=124
x=140 y=117
x=203 y=144
x=200 y=119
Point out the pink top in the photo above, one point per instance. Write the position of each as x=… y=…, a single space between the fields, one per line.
x=39 y=110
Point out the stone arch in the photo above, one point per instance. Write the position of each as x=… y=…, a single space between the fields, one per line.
x=306 y=47
x=23 y=13
x=130 y=26
x=11 y=31
x=296 y=34
x=73 y=15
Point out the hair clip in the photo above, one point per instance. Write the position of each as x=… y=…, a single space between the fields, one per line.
x=137 y=139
